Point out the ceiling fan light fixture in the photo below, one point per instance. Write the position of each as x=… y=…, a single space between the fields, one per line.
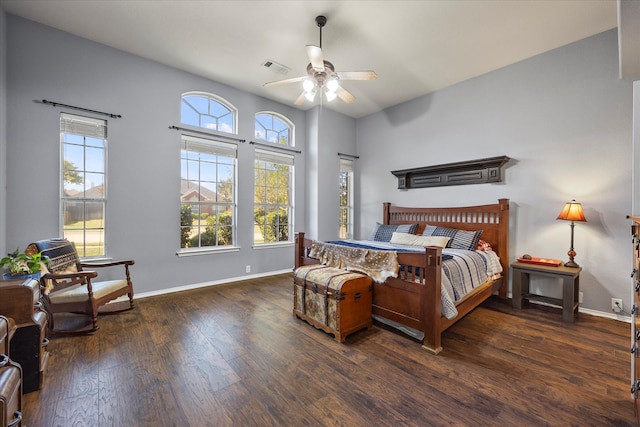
x=308 y=85
x=322 y=76
x=332 y=85
x=310 y=95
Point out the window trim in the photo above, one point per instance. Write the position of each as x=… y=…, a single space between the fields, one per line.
x=283 y=119
x=220 y=100
x=84 y=131
x=351 y=198
x=222 y=146
x=289 y=161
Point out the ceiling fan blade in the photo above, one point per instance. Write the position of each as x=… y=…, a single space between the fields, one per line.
x=300 y=99
x=345 y=95
x=315 y=57
x=357 y=75
x=285 y=81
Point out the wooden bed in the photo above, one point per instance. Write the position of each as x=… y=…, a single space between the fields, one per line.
x=415 y=300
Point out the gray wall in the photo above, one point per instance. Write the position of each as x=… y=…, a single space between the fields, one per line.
x=564 y=118
x=143 y=162
x=328 y=133
x=337 y=134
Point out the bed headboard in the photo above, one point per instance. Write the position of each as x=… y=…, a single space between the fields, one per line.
x=492 y=219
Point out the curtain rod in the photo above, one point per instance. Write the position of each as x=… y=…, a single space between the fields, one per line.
x=210 y=134
x=277 y=147
x=348 y=155
x=55 y=104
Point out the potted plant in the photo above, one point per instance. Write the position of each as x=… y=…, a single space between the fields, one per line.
x=21 y=266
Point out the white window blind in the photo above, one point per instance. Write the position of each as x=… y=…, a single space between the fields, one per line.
x=346 y=165
x=84 y=126
x=273 y=157
x=191 y=143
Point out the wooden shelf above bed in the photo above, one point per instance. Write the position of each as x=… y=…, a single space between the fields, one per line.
x=460 y=173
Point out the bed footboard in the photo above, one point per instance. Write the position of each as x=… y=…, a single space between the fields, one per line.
x=412 y=299
x=301 y=252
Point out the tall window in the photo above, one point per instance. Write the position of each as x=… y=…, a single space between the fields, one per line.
x=207 y=193
x=273 y=181
x=84 y=178
x=346 y=199
x=273 y=128
x=273 y=201
x=208 y=170
x=208 y=111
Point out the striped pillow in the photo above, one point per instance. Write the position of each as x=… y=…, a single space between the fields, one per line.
x=384 y=232
x=460 y=239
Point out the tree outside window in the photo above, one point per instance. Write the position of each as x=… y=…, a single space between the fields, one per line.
x=273 y=205
x=208 y=174
x=207 y=195
x=346 y=199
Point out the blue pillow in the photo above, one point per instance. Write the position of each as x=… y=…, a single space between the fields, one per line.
x=383 y=232
x=460 y=239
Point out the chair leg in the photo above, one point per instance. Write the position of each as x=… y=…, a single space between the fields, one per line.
x=94 y=317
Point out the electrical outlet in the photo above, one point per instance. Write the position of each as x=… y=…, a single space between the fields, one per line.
x=580 y=297
x=616 y=305
x=247 y=269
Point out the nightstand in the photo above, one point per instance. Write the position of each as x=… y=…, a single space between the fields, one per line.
x=570 y=286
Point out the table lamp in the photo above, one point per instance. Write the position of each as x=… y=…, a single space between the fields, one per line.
x=572 y=212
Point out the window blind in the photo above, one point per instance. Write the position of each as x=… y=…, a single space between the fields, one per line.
x=84 y=126
x=224 y=149
x=273 y=157
x=346 y=165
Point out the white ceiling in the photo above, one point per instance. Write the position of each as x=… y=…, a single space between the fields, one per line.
x=415 y=47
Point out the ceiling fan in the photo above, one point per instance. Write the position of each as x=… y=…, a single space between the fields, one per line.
x=323 y=77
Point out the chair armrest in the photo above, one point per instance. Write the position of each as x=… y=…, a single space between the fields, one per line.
x=107 y=264
x=84 y=273
x=52 y=281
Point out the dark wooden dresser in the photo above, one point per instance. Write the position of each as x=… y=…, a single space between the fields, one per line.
x=20 y=300
x=10 y=378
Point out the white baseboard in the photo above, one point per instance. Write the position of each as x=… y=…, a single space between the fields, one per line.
x=624 y=317
x=199 y=285
x=615 y=316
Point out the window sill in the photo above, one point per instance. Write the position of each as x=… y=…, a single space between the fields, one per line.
x=272 y=245
x=97 y=259
x=205 y=251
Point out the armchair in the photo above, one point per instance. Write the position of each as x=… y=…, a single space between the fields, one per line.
x=66 y=286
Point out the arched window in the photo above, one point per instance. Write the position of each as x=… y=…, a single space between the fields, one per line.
x=274 y=128
x=208 y=175
x=208 y=111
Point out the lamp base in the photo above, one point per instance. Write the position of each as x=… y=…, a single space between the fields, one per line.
x=571 y=264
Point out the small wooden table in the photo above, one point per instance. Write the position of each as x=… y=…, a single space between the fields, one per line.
x=570 y=286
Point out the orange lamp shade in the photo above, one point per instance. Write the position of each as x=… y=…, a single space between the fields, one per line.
x=572 y=212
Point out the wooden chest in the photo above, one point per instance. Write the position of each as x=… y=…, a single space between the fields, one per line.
x=334 y=300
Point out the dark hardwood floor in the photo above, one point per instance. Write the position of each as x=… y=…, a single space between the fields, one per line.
x=233 y=355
